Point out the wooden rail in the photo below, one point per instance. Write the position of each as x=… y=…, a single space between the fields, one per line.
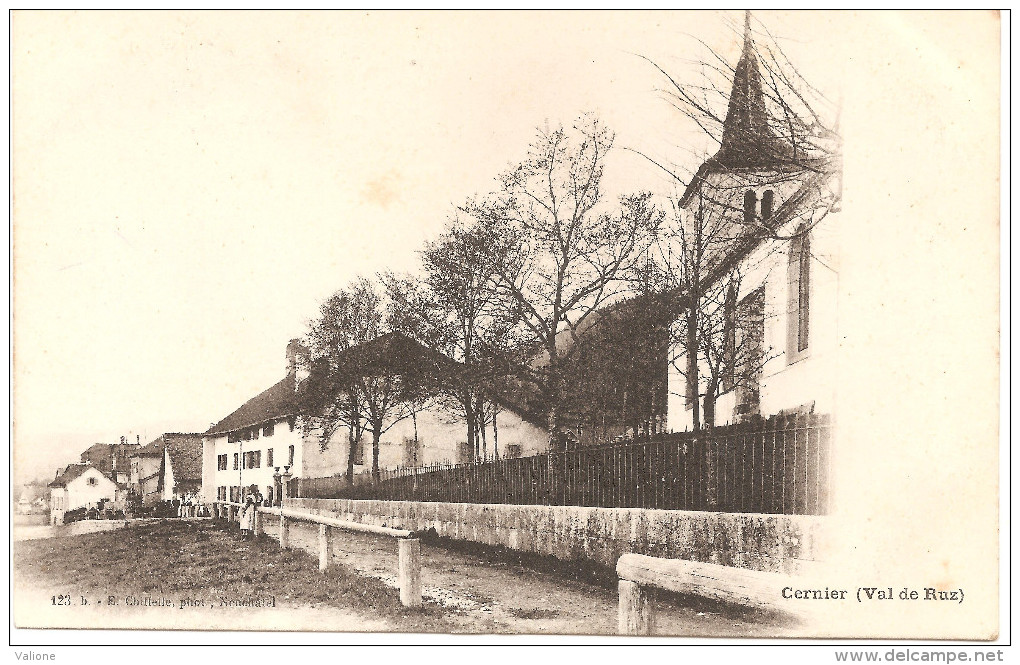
x=750 y=588
x=408 y=547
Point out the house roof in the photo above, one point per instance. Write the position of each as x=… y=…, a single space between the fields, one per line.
x=396 y=353
x=72 y=471
x=152 y=449
x=33 y=491
x=185 y=452
x=155 y=447
x=274 y=402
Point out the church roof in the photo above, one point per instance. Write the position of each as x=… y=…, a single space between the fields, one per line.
x=748 y=141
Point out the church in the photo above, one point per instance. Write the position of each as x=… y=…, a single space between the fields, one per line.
x=757 y=333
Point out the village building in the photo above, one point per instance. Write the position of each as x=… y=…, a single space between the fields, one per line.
x=113 y=459
x=34 y=498
x=167 y=468
x=146 y=472
x=268 y=436
x=774 y=277
x=181 y=468
x=82 y=486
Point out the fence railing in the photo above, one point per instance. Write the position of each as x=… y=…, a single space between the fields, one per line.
x=780 y=465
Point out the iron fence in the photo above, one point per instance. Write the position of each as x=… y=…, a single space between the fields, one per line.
x=780 y=465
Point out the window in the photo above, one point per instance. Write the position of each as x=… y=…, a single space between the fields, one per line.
x=236 y=461
x=290 y=456
x=221 y=462
x=254 y=432
x=412 y=451
x=221 y=493
x=751 y=324
x=730 y=341
x=799 y=295
x=269 y=457
x=268 y=430
x=465 y=453
x=750 y=203
x=253 y=459
x=513 y=450
x=92 y=481
x=767 y=201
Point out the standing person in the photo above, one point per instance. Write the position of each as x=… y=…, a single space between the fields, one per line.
x=251 y=503
x=248 y=516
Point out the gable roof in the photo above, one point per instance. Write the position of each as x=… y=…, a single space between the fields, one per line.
x=73 y=471
x=275 y=402
x=185 y=451
x=155 y=447
x=152 y=449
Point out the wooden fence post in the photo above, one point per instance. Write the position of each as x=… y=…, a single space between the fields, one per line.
x=325 y=546
x=257 y=529
x=284 y=532
x=635 y=612
x=409 y=571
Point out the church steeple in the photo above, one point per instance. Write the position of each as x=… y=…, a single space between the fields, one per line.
x=746 y=133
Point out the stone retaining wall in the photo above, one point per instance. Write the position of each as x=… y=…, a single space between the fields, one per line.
x=775 y=543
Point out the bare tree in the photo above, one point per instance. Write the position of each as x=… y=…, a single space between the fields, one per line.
x=557 y=250
x=455 y=311
x=363 y=377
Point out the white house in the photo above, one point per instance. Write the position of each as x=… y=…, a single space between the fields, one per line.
x=80 y=486
x=267 y=436
x=774 y=278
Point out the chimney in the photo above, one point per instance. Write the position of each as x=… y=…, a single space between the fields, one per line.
x=138 y=439
x=298 y=361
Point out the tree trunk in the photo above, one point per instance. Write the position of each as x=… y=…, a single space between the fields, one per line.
x=495 y=432
x=352 y=442
x=471 y=425
x=484 y=442
x=376 y=435
x=414 y=420
x=710 y=407
x=692 y=362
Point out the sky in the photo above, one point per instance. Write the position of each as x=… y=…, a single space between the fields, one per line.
x=189 y=187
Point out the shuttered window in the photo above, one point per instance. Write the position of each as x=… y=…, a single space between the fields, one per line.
x=799 y=296
x=730 y=332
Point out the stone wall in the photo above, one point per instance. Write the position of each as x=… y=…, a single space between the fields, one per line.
x=777 y=543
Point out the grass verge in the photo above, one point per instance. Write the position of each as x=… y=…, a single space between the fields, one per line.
x=206 y=559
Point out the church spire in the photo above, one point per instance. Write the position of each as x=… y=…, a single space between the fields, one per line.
x=746 y=133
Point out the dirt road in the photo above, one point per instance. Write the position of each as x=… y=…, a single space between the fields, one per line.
x=146 y=576
x=489 y=595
